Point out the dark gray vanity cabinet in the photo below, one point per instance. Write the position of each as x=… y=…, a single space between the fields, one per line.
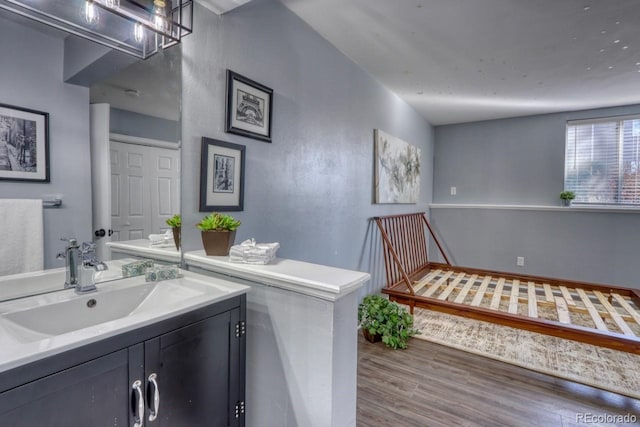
x=91 y=394
x=187 y=371
x=195 y=368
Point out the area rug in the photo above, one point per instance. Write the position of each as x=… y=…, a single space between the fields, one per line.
x=599 y=367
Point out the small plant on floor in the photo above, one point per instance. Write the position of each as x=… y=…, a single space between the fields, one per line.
x=379 y=316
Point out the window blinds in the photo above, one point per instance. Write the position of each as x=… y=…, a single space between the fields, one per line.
x=602 y=161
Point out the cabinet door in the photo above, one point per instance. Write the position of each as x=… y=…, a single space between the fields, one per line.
x=197 y=370
x=91 y=394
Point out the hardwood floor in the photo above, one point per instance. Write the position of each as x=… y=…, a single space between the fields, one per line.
x=432 y=385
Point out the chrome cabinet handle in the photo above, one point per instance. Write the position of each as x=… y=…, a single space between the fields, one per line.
x=153 y=412
x=139 y=417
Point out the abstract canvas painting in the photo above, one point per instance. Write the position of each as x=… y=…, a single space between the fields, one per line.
x=397 y=170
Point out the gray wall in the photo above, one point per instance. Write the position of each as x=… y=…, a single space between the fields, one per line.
x=34 y=80
x=312 y=188
x=520 y=161
x=134 y=124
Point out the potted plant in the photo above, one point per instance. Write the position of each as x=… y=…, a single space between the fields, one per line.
x=218 y=233
x=175 y=222
x=567 y=197
x=386 y=321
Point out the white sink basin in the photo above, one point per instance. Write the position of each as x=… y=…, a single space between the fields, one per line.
x=37 y=326
x=115 y=302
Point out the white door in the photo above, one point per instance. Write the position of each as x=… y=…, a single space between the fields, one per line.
x=145 y=184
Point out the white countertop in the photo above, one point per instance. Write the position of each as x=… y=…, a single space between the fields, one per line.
x=329 y=283
x=20 y=345
x=142 y=248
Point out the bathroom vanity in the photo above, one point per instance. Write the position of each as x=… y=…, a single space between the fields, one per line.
x=167 y=353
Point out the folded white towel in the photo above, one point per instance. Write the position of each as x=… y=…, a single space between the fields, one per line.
x=250 y=252
x=161 y=239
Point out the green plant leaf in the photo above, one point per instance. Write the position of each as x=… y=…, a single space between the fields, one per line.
x=380 y=316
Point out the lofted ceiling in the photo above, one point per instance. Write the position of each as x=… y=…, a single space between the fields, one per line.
x=467 y=60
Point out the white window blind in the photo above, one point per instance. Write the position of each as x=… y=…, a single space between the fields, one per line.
x=602 y=161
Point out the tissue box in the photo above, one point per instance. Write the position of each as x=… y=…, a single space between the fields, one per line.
x=137 y=268
x=165 y=272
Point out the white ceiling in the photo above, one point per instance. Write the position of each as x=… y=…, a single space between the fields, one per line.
x=468 y=60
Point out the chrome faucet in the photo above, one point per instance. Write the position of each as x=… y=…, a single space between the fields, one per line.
x=87 y=268
x=71 y=255
x=81 y=264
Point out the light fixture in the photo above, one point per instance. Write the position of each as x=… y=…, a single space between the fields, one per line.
x=90 y=12
x=136 y=27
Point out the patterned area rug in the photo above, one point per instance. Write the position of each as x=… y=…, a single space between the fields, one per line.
x=600 y=367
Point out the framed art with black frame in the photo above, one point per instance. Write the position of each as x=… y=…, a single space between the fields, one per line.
x=249 y=106
x=221 y=176
x=24 y=144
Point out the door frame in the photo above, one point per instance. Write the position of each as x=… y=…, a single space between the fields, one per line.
x=100 y=143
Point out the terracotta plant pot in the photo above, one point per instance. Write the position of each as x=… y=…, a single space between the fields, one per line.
x=217 y=243
x=176 y=237
x=371 y=337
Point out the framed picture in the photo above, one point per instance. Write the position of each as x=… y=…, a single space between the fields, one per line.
x=397 y=169
x=24 y=144
x=249 y=106
x=221 y=176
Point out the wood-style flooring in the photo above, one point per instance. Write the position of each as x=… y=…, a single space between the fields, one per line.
x=432 y=385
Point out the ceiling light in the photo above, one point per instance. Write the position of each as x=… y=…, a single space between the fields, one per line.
x=625 y=47
x=587 y=8
x=135 y=27
x=90 y=13
x=616 y=41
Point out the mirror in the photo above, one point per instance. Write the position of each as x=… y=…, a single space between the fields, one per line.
x=142 y=104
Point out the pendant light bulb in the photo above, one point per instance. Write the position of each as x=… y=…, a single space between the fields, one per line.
x=139 y=33
x=90 y=12
x=162 y=16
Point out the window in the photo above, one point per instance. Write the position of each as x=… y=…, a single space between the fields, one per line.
x=602 y=161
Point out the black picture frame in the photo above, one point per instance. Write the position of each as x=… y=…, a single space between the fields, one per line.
x=252 y=115
x=221 y=176
x=24 y=144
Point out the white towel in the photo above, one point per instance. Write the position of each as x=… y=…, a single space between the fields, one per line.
x=250 y=252
x=162 y=240
x=22 y=236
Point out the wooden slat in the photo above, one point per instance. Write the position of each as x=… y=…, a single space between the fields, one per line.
x=515 y=293
x=447 y=291
x=466 y=288
x=533 y=301
x=614 y=313
x=497 y=294
x=563 y=310
x=477 y=299
x=633 y=313
x=419 y=284
x=592 y=310
x=548 y=293
x=567 y=296
x=437 y=284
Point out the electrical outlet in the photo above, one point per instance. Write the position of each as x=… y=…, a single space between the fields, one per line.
x=520 y=261
x=453 y=191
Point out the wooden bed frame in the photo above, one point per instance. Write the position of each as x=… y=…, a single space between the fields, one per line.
x=607 y=316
